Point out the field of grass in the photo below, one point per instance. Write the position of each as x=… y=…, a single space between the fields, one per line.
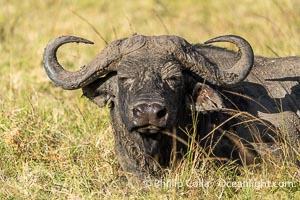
x=56 y=145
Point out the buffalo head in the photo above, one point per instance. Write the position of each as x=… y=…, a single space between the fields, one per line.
x=148 y=81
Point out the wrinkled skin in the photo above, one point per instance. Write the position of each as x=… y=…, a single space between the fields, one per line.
x=154 y=85
x=154 y=82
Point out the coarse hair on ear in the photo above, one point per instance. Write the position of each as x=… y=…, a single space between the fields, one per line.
x=101 y=91
x=206 y=99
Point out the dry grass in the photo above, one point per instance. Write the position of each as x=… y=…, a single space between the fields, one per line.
x=56 y=145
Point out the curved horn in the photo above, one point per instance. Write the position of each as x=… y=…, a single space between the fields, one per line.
x=74 y=80
x=240 y=70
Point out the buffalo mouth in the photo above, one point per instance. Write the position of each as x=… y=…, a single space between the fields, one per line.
x=148 y=129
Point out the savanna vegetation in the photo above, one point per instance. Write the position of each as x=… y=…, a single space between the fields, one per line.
x=56 y=145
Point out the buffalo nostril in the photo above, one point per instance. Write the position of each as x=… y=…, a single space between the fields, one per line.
x=149 y=113
x=162 y=113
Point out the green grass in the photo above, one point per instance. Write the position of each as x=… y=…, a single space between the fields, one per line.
x=56 y=145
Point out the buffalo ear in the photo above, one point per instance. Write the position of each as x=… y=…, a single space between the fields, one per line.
x=101 y=91
x=206 y=99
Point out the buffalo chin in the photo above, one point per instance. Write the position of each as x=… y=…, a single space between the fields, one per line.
x=154 y=143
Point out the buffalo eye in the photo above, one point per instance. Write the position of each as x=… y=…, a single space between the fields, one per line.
x=171 y=73
x=126 y=80
x=173 y=81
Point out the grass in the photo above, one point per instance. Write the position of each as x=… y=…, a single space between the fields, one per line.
x=56 y=145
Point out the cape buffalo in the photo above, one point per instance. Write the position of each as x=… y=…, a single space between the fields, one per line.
x=155 y=85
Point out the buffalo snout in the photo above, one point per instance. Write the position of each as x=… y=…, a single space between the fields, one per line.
x=149 y=114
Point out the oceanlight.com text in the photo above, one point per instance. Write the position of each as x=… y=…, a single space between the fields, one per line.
x=200 y=183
